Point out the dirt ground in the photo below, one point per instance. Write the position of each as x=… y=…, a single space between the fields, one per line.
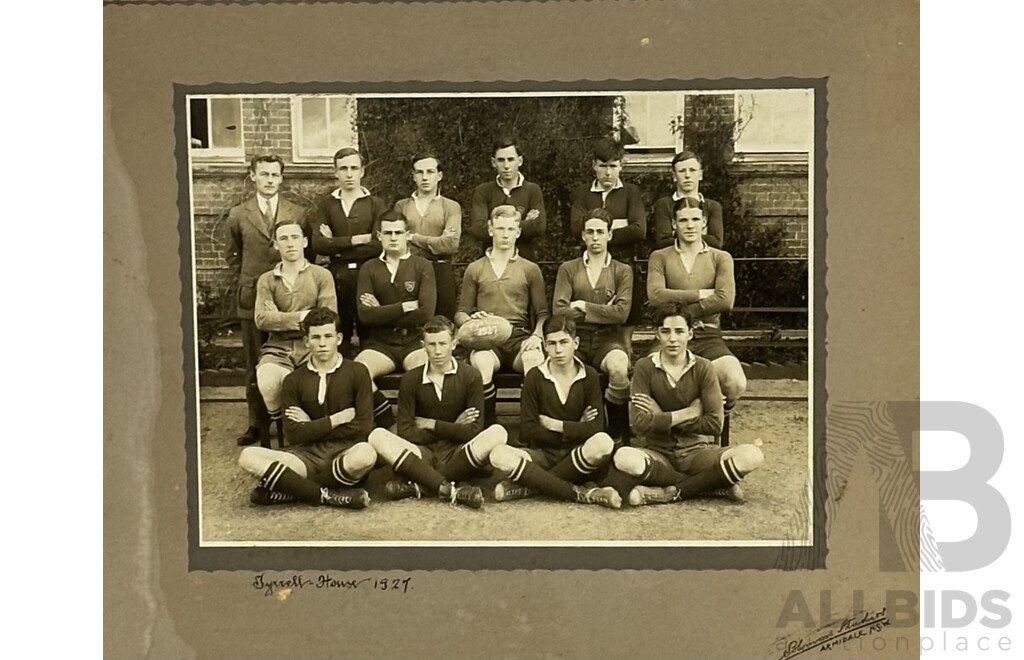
x=775 y=508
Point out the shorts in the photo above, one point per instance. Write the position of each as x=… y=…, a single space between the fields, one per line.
x=512 y=348
x=547 y=457
x=394 y=343
x=317 y=456
x=287 y=353
x=690 y=459
x=595 y=345
x=710 y=347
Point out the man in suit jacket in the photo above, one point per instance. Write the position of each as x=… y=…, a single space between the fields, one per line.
x=249 y=254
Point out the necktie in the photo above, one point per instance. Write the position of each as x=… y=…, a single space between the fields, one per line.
x=268 y=215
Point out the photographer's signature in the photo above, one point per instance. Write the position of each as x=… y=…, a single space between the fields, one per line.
x=836 y=634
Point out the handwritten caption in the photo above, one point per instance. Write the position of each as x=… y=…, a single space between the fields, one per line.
x=325 y=581
x=837 y=634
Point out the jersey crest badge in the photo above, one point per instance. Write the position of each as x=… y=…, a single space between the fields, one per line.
x=410 y=286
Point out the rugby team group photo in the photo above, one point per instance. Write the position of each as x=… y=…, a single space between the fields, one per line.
x=337 y=298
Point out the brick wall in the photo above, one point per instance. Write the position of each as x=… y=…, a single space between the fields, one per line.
x=773 y=198
x=770 y=192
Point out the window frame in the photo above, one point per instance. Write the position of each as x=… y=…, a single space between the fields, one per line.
x=211 y=153
x=301 y=154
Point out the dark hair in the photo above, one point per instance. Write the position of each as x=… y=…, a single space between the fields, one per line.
x=345 y=152
x=284 y=223
x=392 y=215
x=687 y=203
x=439 y=324
x=606 y=150
x=600 y=214
x=423 y=156
x=663 y=312
x=319 y=316
x=558 y=323
x=506 y=211
x=265 y=158
x=504 y=142
x=684 y=155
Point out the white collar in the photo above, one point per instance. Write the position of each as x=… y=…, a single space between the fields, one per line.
x=676 y=196
x=596 y=187
x=265 y=202
x=520 y=181
x=451 y=370
x=581 y=369
x=337 y=365
x=690 y=361
x=607 y=259
x=383 y=256
x=279 y=268
x=363 y=192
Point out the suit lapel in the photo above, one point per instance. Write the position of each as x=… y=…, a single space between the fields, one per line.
x=252 y=209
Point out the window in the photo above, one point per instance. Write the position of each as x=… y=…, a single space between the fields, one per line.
x=778 y=121
x=646 y=120
x=215 y=128
x=322 y=125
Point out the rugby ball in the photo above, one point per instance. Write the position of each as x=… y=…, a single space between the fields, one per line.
x=485 y=333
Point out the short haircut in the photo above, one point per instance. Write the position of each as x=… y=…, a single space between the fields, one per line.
x=606 y=150
x=284 y=223
x=265 y=158
x=504 y=142
x=600 y=214
x=423 y=156
x=319 y=316
x=687 y=203
x=393 y=216
x=663 y=312
x=345 y=152
x=685 y=155
x=439 y=324
x=558 y=323
x=506 y=211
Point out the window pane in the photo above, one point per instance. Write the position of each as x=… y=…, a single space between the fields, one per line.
x=226 y=122
x=198 y=127
x=314 y=124
x=649 y=117
x=775 y=120
x=342 y=122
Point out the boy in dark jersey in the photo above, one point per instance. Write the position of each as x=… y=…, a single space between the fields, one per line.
x=687 y=173
x=441 y=439
x=676 y=410
x=396 y=296
x=344 y=227
x=561 y=426
x=328 y=414
x=509 y=188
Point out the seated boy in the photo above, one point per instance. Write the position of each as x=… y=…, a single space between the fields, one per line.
x=441 y=439
x=562 y=426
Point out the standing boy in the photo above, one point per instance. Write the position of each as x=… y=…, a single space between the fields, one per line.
x=509 y=188
x=435 y=227
x=687 y=173
x=629 y=219
x=344 y=228
x=249 y=252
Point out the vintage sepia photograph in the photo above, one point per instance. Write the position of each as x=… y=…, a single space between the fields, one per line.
x=517 y=318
